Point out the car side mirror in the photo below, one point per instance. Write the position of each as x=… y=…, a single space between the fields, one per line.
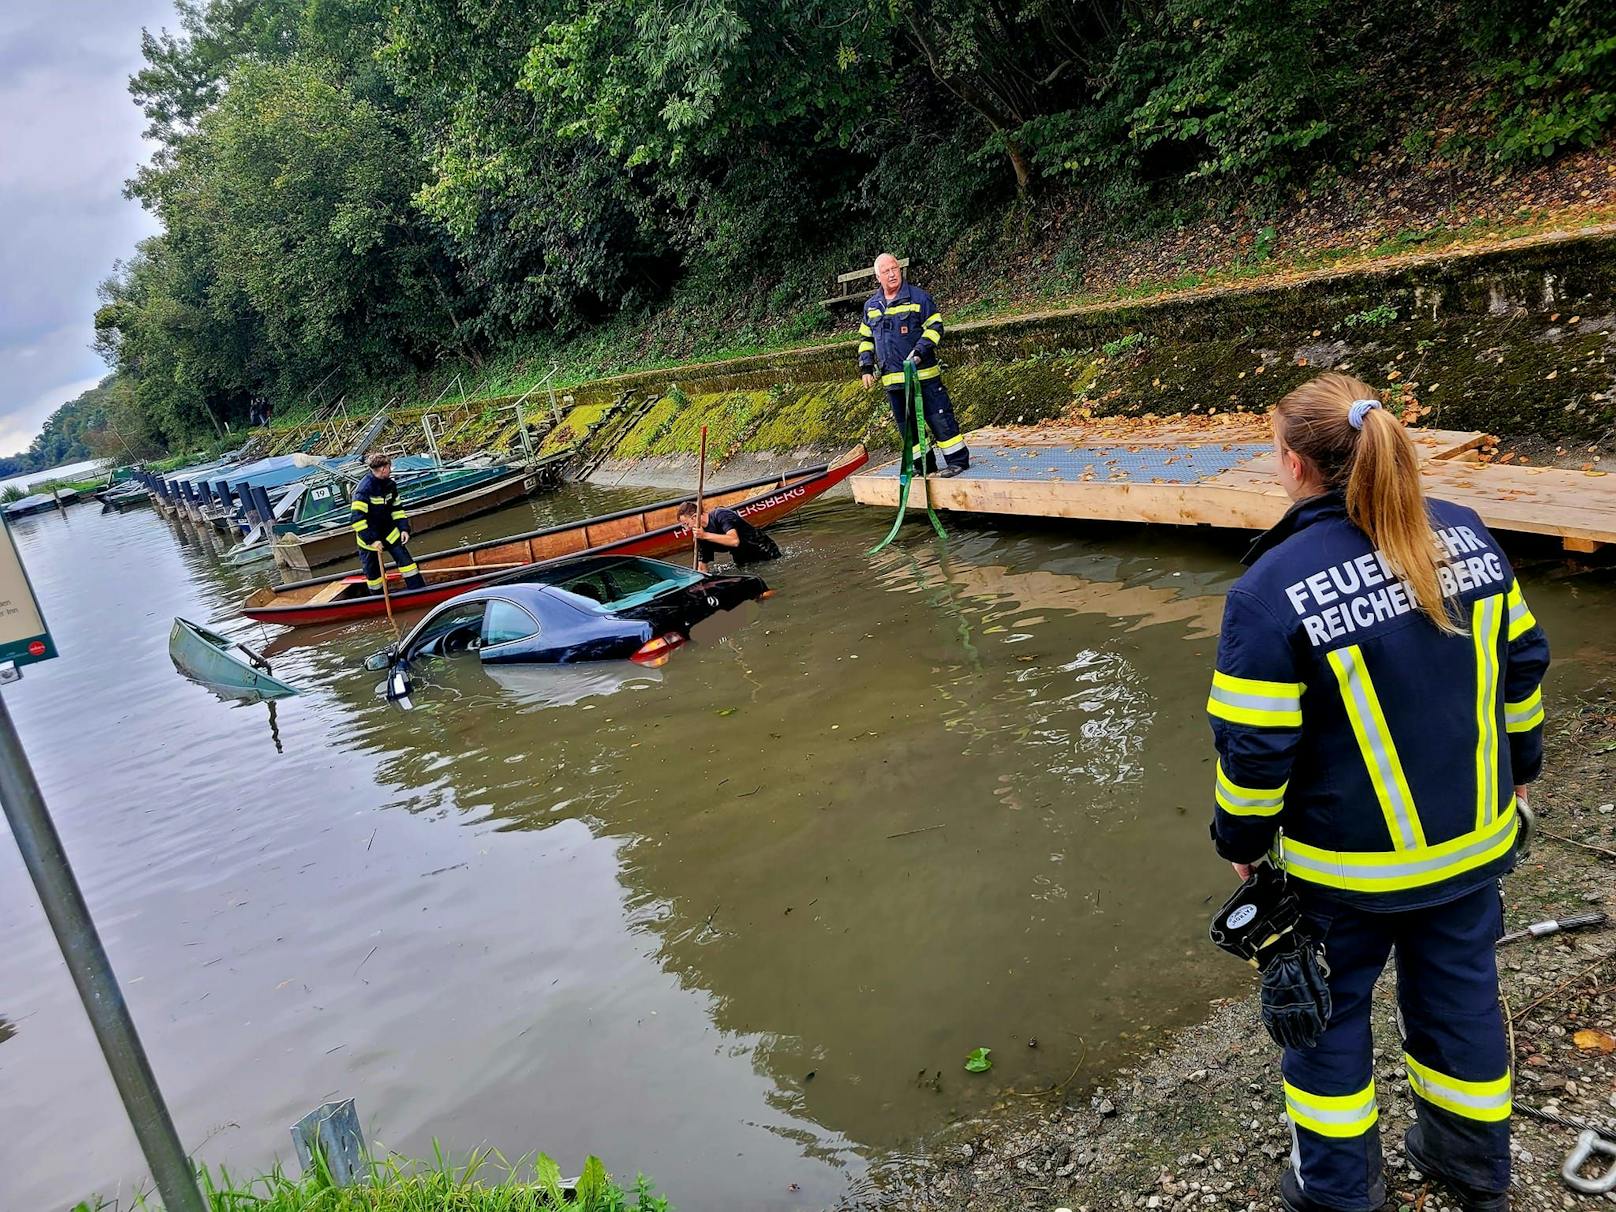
x=377 y=661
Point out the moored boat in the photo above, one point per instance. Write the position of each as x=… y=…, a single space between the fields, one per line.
x=307 y=551
x=209 y=658
x=650 y=530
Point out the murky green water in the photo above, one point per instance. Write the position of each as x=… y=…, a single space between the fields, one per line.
x=714 y=921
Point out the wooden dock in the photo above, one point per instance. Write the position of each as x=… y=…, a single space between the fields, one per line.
x=1220 y=471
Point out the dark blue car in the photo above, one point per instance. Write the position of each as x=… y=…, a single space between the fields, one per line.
x=587 y=608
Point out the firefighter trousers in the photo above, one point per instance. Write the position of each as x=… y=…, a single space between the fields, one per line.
x=1455 y=1054
x=372 y=565
x=939 y=412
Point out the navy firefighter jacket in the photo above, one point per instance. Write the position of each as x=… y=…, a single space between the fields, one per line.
x=1373 y=755
x=892 y=328
x=377 y=515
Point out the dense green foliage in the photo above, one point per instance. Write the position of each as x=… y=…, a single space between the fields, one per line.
x=352 y=189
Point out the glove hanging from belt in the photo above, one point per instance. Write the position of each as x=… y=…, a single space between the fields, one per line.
x=1262 y=924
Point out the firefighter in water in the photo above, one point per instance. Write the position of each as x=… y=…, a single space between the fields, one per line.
x=1377 y=714
x=380 y=523
x=902 y=324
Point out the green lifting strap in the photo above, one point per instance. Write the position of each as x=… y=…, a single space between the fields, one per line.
x=913 y=424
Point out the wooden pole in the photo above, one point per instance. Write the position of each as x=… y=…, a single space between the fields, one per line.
x=701 y=490
x=387 y=597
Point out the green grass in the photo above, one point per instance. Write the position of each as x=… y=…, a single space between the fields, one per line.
x=400 y=1185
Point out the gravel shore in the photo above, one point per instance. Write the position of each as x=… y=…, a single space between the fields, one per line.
x=1200 y=1124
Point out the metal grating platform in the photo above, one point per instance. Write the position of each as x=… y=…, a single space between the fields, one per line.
x=1185 y=464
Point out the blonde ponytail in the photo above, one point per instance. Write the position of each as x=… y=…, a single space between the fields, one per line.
x=1378 y=471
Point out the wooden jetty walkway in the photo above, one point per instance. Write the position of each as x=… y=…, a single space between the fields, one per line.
x=1219 y=471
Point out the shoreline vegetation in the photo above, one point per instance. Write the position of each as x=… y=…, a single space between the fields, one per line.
x=391 y=203
x=484 y=1182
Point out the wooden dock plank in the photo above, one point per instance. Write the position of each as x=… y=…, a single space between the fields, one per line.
x=1096 y=472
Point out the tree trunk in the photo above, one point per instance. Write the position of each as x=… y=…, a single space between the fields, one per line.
x=1018 y=161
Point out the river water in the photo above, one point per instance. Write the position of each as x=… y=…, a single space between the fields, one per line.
x=735 y=922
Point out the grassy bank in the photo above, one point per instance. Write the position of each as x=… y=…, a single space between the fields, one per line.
x=399 y=1185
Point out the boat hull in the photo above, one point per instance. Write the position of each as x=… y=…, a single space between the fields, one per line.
x=306 y=552
x=206 y=657
x=332 y=600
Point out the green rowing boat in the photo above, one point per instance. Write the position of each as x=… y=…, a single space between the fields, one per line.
x=207 y=657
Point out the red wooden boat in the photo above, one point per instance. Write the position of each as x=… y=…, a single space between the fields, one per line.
x=651 y=530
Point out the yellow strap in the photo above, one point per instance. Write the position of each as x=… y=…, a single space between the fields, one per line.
x=1486 y=617
x=1379 y=751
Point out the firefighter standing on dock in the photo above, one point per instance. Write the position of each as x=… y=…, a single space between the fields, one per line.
x=901 y=324
x=379 y=523
x=1376 y=709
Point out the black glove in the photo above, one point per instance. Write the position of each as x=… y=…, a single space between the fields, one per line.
x=1295 y=998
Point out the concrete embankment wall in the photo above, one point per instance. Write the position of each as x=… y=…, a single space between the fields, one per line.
x=1519 y=339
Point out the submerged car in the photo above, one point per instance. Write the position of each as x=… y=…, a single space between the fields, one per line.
x=587 y=608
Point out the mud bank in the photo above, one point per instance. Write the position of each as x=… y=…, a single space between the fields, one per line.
x=1201 y=1123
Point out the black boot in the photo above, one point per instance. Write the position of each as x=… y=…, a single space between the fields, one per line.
x=1471 y=1199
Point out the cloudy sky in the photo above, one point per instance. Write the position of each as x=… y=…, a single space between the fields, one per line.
x=69 y=137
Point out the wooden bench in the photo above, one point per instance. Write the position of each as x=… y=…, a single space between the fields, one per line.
x=855 y=286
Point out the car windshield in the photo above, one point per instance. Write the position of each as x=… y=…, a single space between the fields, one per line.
x=613 y=582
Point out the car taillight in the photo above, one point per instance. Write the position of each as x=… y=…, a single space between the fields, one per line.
x=658 y=649
x=765 y=595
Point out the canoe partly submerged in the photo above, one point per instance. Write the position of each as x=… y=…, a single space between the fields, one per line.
x=209 y=658
x=650 y=530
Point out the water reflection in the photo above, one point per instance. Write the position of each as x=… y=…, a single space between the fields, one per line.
x=711 y=921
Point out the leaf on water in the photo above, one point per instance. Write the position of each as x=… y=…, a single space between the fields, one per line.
x=1589 y=1040
x=726 y=711
x=977 y=1061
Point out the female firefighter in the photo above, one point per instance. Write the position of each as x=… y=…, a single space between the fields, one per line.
x=1377 y=712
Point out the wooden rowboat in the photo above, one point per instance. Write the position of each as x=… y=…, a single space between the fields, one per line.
x=650 y=530
x=209 y=658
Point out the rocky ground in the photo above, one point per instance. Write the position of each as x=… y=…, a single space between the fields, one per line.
x=1200 y=1124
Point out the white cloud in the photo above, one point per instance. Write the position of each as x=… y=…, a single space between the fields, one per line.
x=69 y=137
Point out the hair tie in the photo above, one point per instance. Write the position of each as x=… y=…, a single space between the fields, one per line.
x=1359 y=410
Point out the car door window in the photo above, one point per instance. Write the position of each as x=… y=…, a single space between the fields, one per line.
x=507 y=622
x=453 y=630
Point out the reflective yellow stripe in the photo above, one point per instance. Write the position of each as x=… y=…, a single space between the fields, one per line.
x=408 y=570
x=936 y=318
x=928 y=372
x=1248 y=801
x=376 y=584
x=1400 y=870
x=1257 y=703
x=1486 y=616
x=932 y=335
x=360 y=506
x=895 y=309
x=392 y=536
x=948 y=445
x=1520 y=614
x=864 y=330
x=1526 y=714
x=378 y=500
x=1337 y=1115
x=360 y=525
x=1375 y=744
x=1487 y=1101
x=866 y=347
x=893 y=380
x=873 y=313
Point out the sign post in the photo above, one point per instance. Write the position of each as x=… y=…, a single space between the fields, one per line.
x=24 y=639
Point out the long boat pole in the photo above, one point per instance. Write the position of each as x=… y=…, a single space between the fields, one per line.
x=701 y=491
x=91 y=970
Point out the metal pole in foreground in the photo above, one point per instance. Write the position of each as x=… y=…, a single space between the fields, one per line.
x=92 y=972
